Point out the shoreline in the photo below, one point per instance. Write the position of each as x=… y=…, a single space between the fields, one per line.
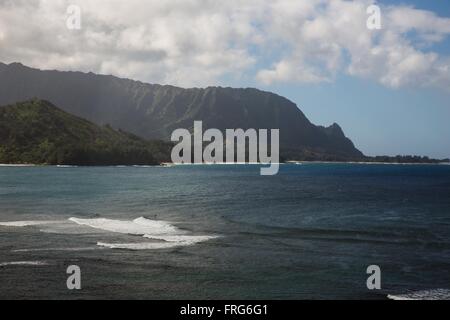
x=169 y=164
x=370 y=162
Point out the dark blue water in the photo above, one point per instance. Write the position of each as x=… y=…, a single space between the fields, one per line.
x=308 y=233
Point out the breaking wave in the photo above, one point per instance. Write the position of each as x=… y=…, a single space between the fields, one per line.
x=25 y=223
x=23 y=263
x=434 y=294
x=56 y=249
x=160 y=234
x=139 y=226
x=168 y=235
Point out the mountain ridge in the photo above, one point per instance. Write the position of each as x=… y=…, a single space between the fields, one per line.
x=153 y=111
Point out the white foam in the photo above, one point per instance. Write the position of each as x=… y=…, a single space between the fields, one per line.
x=181 y=239
x=140 y=245
x=433 y=294
x=168 y=242
x=25 y=223
x=56 y=249
x=139 y=226
x=168 y=235
x=164 y=233
x=23 y=263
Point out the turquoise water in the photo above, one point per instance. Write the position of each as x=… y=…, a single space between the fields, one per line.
x=309 y=232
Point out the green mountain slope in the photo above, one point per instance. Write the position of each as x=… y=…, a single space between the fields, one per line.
x=38 y=132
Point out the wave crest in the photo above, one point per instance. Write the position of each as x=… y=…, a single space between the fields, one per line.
x=167 y=235
x=433 y=294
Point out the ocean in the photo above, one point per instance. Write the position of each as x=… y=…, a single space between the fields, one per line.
x=224 y=231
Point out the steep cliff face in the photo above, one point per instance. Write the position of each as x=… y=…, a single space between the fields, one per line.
x=153 y=111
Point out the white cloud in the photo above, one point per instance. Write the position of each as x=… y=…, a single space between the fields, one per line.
x=199 y=42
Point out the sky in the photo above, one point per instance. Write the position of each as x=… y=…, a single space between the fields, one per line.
x=389 y=88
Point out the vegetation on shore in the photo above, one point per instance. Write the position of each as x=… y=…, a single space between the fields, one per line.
x=314 y=155
x=37 y=132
